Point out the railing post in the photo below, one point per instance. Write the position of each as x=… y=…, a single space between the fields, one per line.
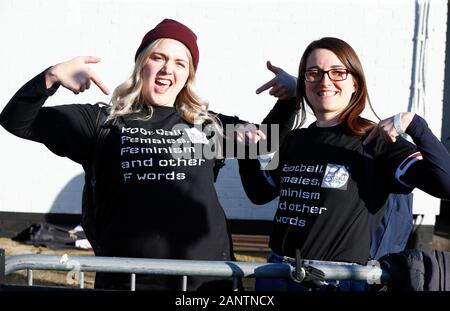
x=133 y=282
x=2 y=267
x=30 y=277
x=184 y=283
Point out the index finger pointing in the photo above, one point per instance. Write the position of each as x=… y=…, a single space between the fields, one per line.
x=261 y=134
x=96 y=79
x=265 y=86
x=91 y=59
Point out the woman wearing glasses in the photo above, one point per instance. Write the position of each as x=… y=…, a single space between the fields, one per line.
x=324 y=195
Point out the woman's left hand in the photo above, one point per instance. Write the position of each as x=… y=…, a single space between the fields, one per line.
x=386 y=129
x=249 y=133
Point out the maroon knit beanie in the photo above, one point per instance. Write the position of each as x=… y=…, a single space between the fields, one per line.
x=172 y=29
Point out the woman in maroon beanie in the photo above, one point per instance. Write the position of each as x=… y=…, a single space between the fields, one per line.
x=148 y=193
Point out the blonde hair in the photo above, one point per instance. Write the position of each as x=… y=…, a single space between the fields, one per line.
x=127 y=98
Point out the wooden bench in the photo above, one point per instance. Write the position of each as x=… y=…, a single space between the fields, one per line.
x=251 y=243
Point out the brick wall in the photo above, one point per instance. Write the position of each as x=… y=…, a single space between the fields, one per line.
x=235 y=38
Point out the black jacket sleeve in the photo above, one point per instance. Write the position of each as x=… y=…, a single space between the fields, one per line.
x=262 y=186
x=67 y=130
x=256 y=181
x=432 y=174
x=282 y=115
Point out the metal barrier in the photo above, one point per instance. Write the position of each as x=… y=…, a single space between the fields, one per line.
x=184 y=268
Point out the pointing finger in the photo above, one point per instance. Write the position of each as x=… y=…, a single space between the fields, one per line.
x=96 y=79
x=91 y=59
x=266 y=86
x=273 y=68
x=249 y=134
x=261 y=134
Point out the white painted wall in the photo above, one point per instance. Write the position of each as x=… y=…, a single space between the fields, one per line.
x=235 y=39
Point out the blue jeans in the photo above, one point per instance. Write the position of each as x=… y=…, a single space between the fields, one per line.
x=283 y=284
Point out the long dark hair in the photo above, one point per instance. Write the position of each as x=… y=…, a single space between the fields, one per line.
x=350 y=118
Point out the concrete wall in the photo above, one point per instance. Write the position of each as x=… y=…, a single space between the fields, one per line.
x=235 y=39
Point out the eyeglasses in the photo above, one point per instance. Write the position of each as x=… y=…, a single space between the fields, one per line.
x=334 y=75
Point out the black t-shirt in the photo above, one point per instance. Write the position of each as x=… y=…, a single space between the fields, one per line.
x=154 y=176
x=324 y=192
x=160 y=198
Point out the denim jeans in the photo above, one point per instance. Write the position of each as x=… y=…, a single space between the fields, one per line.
x=283 y=284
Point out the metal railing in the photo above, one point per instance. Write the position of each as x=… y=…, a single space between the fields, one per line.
x=372 y=274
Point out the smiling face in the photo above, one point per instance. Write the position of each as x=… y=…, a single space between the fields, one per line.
x=165 y=72
x=328 y=98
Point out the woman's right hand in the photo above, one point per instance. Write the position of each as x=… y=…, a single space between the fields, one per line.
x=75 y=75
x=283 y=86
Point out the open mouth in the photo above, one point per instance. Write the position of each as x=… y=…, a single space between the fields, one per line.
x=162 y=85
x=163 y=82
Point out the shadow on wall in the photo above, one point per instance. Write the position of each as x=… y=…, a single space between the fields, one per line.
x=65 y=211
x=66 y=208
